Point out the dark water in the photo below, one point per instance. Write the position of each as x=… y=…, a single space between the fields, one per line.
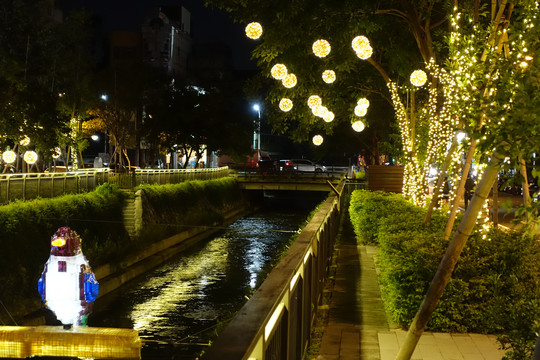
x=178 y=307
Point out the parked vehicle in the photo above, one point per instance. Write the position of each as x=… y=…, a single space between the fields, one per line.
x=302 y=165
x=266 y=165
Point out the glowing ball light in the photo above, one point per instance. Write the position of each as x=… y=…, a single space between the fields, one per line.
x=362 y=47
x=278 y=71
x=360 y=110
x=418 y=78
x=254 y=30
x=317 y=140
x=329 y=76
x=329 y=116
x=289 y=81
x=319 y=110
x=314 y=100
x=56 y=152
x=25 y=141
x=358 y=126
x=30 y=157
x=285 y=104
x=9 y=157
x=363 y=102
x=321 y=48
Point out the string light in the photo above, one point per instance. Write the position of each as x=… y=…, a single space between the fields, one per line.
x=278 y=71
x=321 y=48
x=56 y=152
x=329 y=76
x=317 y=140
x=289 y=81
x=286 y=104
x=254 y=30
x=25 y=141
x=418 y=78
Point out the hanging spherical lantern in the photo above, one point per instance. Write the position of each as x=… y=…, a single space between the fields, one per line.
x=363 y=102
x=317 y=140
x=418 y=78
x=360 y=110
x=358 y=126
x=9 y=156
x=359 y=43
x=254 y=30
x=25 y=141
x=30 y=157
x=319 y=110
x=329 y=116
x=285 y=104
x=289 y=81
x=314 y=100
x=321 y=48
x=56 y=152
x=329 y=76
x=278 y=71
x=365 y=53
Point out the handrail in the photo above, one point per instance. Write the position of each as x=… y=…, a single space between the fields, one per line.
x=276 y=321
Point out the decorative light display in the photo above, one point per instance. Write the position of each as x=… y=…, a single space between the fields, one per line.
x=314 y=100
x=329 y=116
x=30 y=157
x=278 y=71
x=25 y=141
x=363 y=102
x=56 y=153
x=289 y=81
x=317 y=140
x=362 y=47
x=254 y=30
x=329 y=76
x=358 y=126
x=285 y=104
x=319 y=110
x=418 y=78
x=9 y=156
x=67 y=285
x=321 y=48
x=360 y=110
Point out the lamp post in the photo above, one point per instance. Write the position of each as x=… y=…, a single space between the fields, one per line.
x=257 y=131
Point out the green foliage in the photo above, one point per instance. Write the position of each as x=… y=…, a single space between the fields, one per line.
x=493 y=289
x=26 y=228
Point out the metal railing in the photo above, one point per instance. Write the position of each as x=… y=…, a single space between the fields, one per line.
x=27 y=186
x=276 y=322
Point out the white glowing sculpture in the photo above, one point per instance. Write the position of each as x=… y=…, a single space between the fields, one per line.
x=418 y=78
x=285 y=104
x=321 y=48
x=67 y=285
x=278 y=71
x=254 y=30
x=329 y=76
x=317 y=140
x=358 y=126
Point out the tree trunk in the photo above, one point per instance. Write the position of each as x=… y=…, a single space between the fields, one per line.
x=495 y=205
x=525 y=182
x=450 y=258
x=437 y=189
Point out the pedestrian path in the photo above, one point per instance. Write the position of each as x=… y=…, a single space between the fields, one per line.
x=358 y=326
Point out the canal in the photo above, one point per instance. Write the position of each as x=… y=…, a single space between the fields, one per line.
x=180 y=306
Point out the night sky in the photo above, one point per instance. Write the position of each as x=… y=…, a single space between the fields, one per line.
x=206 y=24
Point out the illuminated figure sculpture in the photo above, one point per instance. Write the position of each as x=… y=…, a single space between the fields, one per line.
x=67 y=285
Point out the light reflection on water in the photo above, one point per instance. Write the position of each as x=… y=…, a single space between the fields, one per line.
x=179 y=304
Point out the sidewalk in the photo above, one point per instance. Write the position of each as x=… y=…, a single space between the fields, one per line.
x=358 y=328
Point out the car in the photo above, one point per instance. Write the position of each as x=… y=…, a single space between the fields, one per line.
x=303 y=165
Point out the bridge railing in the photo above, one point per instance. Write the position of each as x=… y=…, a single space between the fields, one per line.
x=27 y=186
x=276 y=322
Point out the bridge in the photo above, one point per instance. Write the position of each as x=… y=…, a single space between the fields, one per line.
x=298 y=182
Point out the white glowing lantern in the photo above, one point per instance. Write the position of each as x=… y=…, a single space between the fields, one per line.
x=418 y=78
x=317 y=140
x=278 y=71
x=289 y=81
x=30 y=157
x=9 y=157
x=254 y=30
x=329 y=76
x=360 y=110
x=285 y=104
x=319 y=110
x=329 y=116
x=25 y=141
x=358 y=126
x=56 y=152
x=363 y=102
x=362 y=47
x=314 y=100
x=321 y=48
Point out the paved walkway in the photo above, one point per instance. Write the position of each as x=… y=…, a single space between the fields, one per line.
x=358 y=328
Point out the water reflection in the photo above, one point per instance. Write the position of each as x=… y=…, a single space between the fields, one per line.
x=177 y=307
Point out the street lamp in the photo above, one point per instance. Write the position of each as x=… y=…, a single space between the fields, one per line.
x=257 y=131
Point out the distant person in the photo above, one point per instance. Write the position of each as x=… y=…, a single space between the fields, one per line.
x=469 y=189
